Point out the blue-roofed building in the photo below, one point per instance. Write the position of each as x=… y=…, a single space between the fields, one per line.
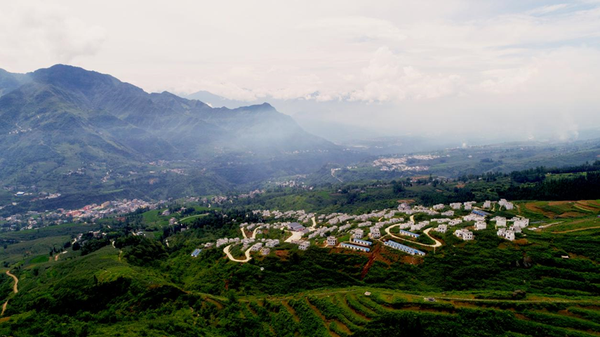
x=354 y=247
x=480 y=212
x=362 y=242
x=296 y=227
x=407 y=233
x=406 y=249
x=196 y=252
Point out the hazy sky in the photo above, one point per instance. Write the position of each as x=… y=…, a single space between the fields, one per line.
x=519 y=67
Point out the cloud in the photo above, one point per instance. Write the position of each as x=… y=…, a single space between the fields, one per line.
x=31 y=31
x=355 y=29
x=387 y=79
x=504 y=81
x=547 y=9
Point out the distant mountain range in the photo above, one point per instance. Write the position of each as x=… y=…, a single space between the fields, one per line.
x=93 y=138
x=61 y=121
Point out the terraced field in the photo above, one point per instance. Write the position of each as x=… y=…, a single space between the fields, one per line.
x=345 y=312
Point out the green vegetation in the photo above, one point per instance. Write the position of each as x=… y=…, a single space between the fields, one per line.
x=126 y=281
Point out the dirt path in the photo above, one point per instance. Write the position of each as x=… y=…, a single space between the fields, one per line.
x=15 y=286
x=333 y=170
x=314 y=224
x=57 y=255
x=255 y=231
x=228 y=253
x=370 y=262
x=548 y=225
x=577 y=230
x=296 y=236
x=15 y=290
x=426 y=232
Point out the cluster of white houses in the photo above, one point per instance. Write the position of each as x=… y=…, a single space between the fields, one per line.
x=332 y=226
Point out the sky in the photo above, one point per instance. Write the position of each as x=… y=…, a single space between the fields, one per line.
x=522 y=69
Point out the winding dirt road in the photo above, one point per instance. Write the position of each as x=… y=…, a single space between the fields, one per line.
x=254 y=232
x=228 y=253
x=15 y=286
x=426 y=232
x=15 y=290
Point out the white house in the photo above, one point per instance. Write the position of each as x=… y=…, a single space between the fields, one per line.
x=265 y=251
x=464 y=234
x=448 y=213
x=441 y=228
x=375 y=233
x=331 y=241
x=480 y=225
x=516 y=229
x=358 y=233
x=304 y=245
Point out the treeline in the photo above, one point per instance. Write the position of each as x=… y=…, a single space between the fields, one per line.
x=576 y=188
x=533 y=175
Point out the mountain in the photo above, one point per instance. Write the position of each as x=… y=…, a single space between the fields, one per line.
x=69 y=126
x=10 y=81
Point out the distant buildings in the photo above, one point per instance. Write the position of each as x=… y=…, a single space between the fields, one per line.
x=331 y=241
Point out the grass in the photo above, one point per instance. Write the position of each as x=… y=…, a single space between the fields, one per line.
x=24 y=250
x=58 y=230
x=562 y=209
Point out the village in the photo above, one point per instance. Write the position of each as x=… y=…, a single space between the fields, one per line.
x=88 y=213
x=400 y=229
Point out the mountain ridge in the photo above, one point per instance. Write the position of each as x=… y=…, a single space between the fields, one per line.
x=64 y=119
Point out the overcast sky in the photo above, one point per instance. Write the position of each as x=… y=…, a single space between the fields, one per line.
x=523 y=66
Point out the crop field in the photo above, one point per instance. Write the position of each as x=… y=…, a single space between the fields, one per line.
x=369 y=312
x=563 y=209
